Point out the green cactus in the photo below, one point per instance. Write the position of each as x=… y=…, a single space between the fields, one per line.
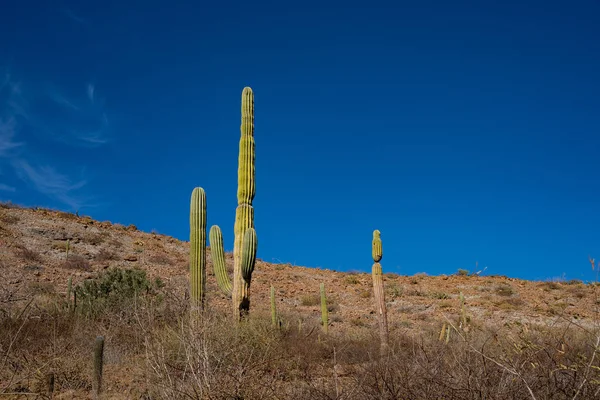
x=67 y=246
x=98 y=365
x=377 y=248
x=217 y=254
x=69 y=291
x=377 y=275
x=324 y=311
x=198 y=248
x=245 y=242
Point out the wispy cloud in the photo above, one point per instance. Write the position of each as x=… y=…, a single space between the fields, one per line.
x=90 y=92
x=46 y=180
x=7 y=135
x=74 y=17
x=53 y=115
x=6 y=188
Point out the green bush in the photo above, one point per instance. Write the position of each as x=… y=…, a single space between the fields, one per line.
x=112 y=289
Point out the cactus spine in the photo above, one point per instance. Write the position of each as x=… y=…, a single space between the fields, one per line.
x=324 y=311
x=245 y=242
x=98 y=365
x=197 y=248
x=378 y=290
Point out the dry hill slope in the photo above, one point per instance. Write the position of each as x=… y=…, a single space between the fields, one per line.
x=33 y=255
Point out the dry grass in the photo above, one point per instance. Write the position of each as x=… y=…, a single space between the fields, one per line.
x=174 y=356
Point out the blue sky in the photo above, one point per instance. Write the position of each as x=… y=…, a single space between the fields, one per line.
x=464 y=131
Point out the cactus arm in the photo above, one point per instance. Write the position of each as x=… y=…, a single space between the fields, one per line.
x=198 y=247
x=249 y=254
x=217 y=253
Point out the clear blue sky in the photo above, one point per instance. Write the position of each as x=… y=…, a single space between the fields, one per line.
x=464 y=131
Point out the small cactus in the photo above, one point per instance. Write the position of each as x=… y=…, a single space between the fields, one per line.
x=463 y=312
x=67 y=245
x=98 y=366
x=69 y=291
x=198 y=248
x=273 y=308
x=377 y=275
x=324 y=311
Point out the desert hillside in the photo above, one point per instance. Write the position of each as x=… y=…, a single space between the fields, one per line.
x=34 y=255
x=35 y=272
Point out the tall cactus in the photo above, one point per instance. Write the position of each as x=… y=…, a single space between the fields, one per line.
x=198 y=248
x=245 y=242
x=378 y=290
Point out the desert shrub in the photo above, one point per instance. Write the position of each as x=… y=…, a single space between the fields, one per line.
x=9 y=218
x=393 y=291
x=504 y=289
x=112 y=289
x=76 y=262
x=351 y=280
x=106 y=255
x=161 y=259
x=310 y=299
x=29 y=254
x=462 y=272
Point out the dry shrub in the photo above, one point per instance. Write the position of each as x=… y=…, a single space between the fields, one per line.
x=161 y=259
x=9 y=218
x=106 y=255
x=76 y=262
x=29 y=254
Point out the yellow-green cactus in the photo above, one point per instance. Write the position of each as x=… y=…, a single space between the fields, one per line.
x=217 y=254
x=378 y=291
x=324 y=311
x=377 y=249
x=244 y=246
x=197 y=247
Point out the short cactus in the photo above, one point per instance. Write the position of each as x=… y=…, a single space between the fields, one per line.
x=273 y=308
x=324 y=311
x=197 y=248
x=245 y=242
x=378 y=290
x=98 y=366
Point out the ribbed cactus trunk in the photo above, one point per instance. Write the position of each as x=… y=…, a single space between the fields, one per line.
x=377 y=274
x=98 y=367
x=197 y=248
x=245 y=242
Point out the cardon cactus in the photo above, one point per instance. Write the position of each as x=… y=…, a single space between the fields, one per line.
x=378 y=291
x=197 y=248
x=245 y=242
